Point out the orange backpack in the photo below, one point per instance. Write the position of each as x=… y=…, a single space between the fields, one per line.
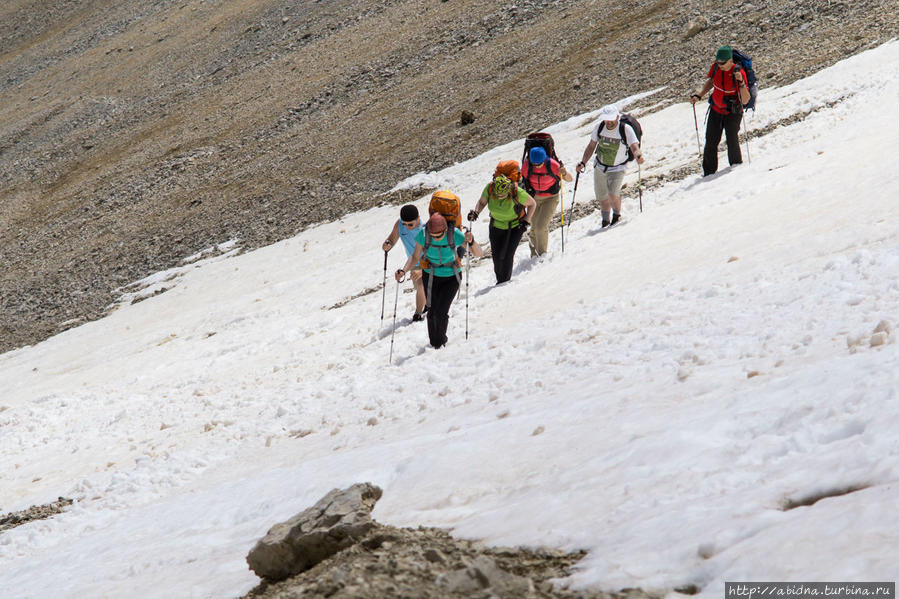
x=449 y=205
x=508 y=168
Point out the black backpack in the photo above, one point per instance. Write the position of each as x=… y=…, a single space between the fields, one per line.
x=542 y=140
x=638 y=130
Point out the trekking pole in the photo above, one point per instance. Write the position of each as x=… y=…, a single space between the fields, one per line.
x=746 y=133
x=696 y=125
x=395 y=302
x=562 y=216
x=467 y=291
x=640 y=185
x=573 y=194
x=384 y=288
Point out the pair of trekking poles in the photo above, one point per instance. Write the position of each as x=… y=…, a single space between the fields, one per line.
x=396 y=299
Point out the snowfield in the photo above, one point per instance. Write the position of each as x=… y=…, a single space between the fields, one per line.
x=666 y=394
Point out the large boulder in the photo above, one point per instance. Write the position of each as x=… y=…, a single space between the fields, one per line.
x=339 y=519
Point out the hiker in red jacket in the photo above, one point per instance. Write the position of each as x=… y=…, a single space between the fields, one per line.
x=544 y=176
x=729 y=93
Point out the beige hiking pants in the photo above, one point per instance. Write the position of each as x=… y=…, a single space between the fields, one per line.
x=538 y=237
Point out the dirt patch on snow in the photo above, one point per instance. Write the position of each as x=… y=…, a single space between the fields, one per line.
x=35 y=512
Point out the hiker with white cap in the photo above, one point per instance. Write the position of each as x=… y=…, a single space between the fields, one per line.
x=610 y=161
x=440 y=267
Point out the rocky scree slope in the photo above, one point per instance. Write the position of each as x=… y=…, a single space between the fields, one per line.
x=134 y=133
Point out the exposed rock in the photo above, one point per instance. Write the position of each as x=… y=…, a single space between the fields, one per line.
x=483 y=573
x=427 y=563
x=696 y=26
x=35 y=512
x=339 y=519
x=466 y=118
x=878 y=339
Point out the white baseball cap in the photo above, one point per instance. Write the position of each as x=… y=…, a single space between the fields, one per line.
x=609 y=113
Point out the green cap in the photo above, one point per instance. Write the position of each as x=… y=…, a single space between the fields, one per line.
x=724 y=53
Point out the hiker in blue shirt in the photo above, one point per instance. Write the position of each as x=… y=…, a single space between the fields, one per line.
x=441 y=270
x=405 y=230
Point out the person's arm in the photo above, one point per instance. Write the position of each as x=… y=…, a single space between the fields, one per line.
x=566 y=176
x=473 y=245
x=637 y=152
x=415 y=257
x=588 y=152
x=391 y=239
x=741 y=83
x=478 y=208
x=530 y=206
x=698 y=94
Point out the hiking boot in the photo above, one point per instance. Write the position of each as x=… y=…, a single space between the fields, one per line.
x=615 y=218
x=605 y=224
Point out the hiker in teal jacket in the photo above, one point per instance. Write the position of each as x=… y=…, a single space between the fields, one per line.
x=441 y=271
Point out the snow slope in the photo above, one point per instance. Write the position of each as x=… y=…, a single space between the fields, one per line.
x=659 y=394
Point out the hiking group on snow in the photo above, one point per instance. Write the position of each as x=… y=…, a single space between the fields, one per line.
x=524 y=199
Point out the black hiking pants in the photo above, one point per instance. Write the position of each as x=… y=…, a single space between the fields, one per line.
x=443 y=292
x=503 y=243
x=730 y=125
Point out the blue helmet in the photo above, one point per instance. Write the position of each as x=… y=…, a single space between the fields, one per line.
x=537 y=155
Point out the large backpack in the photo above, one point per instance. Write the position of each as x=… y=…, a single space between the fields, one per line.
x=638 y=130
x=508 y=168
x=545 y=141
x=449 y=205
x=542 y=140
x=744 y=61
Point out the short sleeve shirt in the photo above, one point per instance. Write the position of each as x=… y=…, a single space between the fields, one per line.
x=407 y=235
x=503 y=211
x=611 y=150
x=441 y=253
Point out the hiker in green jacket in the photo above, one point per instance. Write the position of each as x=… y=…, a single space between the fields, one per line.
x=511 y=209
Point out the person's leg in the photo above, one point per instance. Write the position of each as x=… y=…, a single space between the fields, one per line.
x=732 y=133
x=515 y=234
x=538 y=237
x=713 y=129
x=445 y=289
x=498 y=239
x=615 y=180
x=601 y=189
x=420 y=299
